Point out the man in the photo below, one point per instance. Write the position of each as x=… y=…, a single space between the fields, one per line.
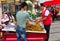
x=46 y=19
x=21 y=17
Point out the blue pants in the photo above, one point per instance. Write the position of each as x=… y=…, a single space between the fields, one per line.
x=21 y=32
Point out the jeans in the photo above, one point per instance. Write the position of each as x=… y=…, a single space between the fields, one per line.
x=21 y=32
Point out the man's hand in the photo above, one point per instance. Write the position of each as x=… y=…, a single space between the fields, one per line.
x=38 y=19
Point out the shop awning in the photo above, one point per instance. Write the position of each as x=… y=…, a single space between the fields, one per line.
x=49 y=3
x=57 y=2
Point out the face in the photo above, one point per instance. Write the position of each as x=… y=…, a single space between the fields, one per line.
x=25 y=7
x=42 y=7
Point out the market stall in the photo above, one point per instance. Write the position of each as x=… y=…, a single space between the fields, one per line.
x=33 y=34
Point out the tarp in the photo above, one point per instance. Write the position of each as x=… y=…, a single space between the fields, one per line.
x=49 y=3
x=57 y=2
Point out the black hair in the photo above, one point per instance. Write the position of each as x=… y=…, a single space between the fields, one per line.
x=41 y=4
x=23 y=4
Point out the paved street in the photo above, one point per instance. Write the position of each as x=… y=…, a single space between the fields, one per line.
x=55 y=31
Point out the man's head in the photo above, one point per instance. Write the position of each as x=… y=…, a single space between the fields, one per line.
x=42 y=6
x=24 y=5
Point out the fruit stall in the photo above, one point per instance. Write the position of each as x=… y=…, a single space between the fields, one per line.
x=34 y=32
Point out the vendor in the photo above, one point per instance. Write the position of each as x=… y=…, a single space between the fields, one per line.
x=46 y=19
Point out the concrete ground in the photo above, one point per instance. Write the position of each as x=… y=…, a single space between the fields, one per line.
x=55 y=31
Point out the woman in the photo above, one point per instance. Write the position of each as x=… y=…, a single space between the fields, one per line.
x=11 y=17
x=5 y=18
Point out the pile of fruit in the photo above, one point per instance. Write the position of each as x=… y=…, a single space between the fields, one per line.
x=33 y=27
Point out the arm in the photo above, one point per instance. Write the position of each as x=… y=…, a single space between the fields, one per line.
x=44 y=18
x=28 y=17
x=6 y=18
x=46 y=15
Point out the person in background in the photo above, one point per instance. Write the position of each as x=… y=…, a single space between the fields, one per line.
x=21 y=18
x=5 y=18
x=11 y=17
x=46 y=19
x=54 y=13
